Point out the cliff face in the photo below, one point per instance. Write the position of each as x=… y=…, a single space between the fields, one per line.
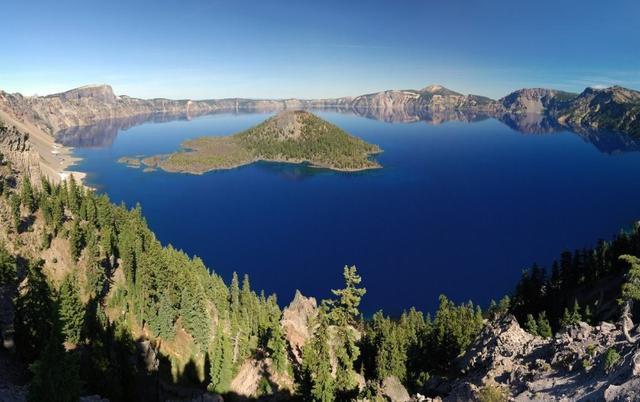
x=433 y=98
x=614 y=109
x=88 y=105
x=533 y=100
x=91 y=104
x=16 y=149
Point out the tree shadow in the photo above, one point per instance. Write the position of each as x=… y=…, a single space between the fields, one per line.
x=26 y=223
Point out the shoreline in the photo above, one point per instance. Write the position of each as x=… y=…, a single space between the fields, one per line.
x=141 y=162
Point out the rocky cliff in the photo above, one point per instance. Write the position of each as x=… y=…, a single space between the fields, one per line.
x=433 y=98
x=90 y=104
x=533 y=100
x=614 y=109
x=16 y=149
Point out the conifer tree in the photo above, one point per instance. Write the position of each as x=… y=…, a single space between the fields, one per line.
x=588 y=316
x=34 y=312
x=318 y=383
x=345 y=310
x=531 y=325
x=56 y=375
x=454 y=328
x=73 y=194
x=27 y=197
x=71 y=309
x=166 y=319
x=107 y=240
x=544 y=328
x=631 y=287
x=57 y=214
x=195 y=315
x=571 y=317
x=8 y=268
x=277 y=348
x=95 y=272
x=14 y=200
x=388 y=348
x=76 y=240
x=234 y=294
x=221 y=370
x=343 y=314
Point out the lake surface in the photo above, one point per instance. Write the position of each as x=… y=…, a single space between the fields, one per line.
x=459 y=208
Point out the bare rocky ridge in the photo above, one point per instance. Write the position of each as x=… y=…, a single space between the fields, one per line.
x=614 y=109
x=533 y=100
x=571 y=366
x=296 y=319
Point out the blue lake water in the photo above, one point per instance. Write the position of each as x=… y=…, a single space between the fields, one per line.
x=459 y=208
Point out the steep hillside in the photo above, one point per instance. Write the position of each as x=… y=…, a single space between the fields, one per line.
x=533 y=100
x=609 y=109
x=433 y=98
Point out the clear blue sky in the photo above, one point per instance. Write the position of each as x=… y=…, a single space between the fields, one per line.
x=298 y=48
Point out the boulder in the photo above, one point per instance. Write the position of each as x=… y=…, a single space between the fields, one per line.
x=624 y=392
x=393 y=389
x=494 y=351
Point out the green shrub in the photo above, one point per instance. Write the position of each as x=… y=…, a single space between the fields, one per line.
x=611 y=357
x=493 y=393
x=264 y=388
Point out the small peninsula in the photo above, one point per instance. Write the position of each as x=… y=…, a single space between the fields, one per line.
x=290 y=137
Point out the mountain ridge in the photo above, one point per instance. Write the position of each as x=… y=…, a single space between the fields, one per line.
x=615 y=108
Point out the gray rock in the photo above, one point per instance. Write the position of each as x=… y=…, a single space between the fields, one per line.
x=295 y=321
x=393 y=389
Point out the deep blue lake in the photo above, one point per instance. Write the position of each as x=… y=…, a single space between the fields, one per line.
x=459 y=208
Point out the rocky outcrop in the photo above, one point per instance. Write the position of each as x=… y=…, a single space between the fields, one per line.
x=577 y=364
x=296 y=321
x=96 y=93
x=254 y=371
x=614 y=109
x=393 y=390
x=16 y=149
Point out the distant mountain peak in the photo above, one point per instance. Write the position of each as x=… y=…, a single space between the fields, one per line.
x=433 y=88
x=436 y=89
x=98 y=92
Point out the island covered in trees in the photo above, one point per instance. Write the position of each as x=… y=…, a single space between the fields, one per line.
x=289 y=136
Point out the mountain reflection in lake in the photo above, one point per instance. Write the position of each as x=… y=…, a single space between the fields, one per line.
x=463 y=196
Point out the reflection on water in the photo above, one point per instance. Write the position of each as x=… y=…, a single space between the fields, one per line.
x=103 y=133
x=510 y=199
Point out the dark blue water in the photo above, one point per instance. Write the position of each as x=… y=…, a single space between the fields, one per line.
x=458 y=208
